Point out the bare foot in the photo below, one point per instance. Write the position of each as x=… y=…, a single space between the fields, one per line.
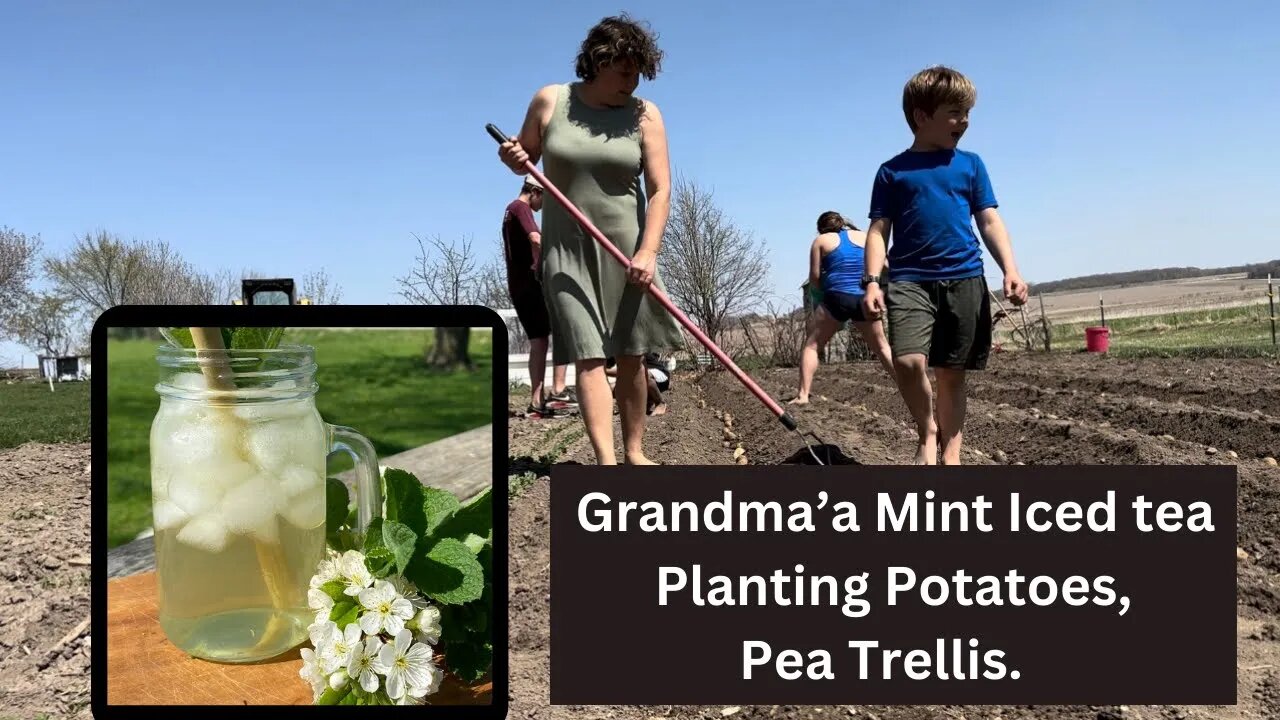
x=659 y=409
x=639 y=460
x=799 y=400
x=927 y=452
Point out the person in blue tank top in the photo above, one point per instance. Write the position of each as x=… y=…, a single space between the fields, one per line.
x=835 y=271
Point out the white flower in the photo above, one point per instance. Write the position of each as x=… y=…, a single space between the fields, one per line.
x=311 y=672
x=338 y=652
x=355 y=575
x=322 y=634
x=363 y=665
x=408 y=591
x=384 y=610
x=407 y=665
x=427 y=623
x=325 y=572
x=320 y=601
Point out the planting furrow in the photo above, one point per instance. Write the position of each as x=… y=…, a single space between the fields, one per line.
x=1249 y=434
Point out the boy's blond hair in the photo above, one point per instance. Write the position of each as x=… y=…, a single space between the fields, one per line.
x=933 y=87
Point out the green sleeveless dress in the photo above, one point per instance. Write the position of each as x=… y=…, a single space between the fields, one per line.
x=593 y=156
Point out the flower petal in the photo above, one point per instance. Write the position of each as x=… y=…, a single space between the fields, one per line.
x=317 y=599
x=370 y=623
x=395 y=684
x=369 y=681
x=393 y=624
x=352 y=634
x=402 y=608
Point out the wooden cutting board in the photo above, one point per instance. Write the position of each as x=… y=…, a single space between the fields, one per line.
x=144 y=668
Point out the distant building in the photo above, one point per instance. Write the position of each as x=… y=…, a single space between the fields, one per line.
x=65 y=368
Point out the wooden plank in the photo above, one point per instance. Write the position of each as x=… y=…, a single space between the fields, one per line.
x=145 y=668
x=461 y=464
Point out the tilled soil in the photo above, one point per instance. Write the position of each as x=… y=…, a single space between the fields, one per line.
x=1031 y=409
x=44 y=581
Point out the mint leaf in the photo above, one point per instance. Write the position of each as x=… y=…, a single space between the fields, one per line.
x=379 y=558
x=334 y=589
x=401 y=541
x=405 y=499
x=473 y=518
x=254 y=338
x=447 y=573
x=344 y=614
x=469 y=661
x=438 y=505
x=474 y=543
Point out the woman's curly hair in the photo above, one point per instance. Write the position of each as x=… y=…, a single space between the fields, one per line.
x=618 y=39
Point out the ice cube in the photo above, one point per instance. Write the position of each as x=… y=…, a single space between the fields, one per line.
x=274 y=411
x=189 y=381
x=168 y=515
x=250 y=509
x=196 y=489
x=305 y=510
x=299 y=479
x=193 y=492
x=271 y=445
x=206 y=532
x=198 y=440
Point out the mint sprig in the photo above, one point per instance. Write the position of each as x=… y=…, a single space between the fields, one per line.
x=442 y=546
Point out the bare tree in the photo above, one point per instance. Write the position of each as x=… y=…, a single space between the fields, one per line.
x=320 y=289
x=43 y=323
x=444 y=274
x=18 y=256
x=491 y=288
x=102 y=271
x=712 y=268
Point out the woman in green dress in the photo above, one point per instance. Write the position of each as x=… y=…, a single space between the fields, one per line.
x=597 y=142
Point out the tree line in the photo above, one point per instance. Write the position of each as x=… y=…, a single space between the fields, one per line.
x=100 y=271
x=1134 y=277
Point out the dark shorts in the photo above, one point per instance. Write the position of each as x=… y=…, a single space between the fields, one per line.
x=531 y=309
x=843 y=306
x=949 y=321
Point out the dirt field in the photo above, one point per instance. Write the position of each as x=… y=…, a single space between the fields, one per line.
x=44 y=581
x=1174 y=295
x=1069 y=409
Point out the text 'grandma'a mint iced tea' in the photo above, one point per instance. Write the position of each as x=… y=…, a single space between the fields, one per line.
x=238 y=485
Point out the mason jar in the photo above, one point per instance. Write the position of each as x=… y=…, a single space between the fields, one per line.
x=238 y=467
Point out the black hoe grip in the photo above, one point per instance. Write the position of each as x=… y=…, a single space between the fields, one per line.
x=496 y=133
x=787 y=421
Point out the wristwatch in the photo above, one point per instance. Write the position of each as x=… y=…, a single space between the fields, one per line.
x=868 y=279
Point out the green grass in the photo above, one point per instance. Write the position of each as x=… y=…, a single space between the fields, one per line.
x=30 y=413
x=1220 y=332
x=374 y=381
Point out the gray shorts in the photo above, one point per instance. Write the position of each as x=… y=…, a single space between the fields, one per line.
x=948 y=321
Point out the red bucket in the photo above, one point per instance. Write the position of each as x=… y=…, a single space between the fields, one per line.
x=1097 y=339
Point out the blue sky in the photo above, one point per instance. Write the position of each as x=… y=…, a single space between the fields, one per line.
x=294 y=136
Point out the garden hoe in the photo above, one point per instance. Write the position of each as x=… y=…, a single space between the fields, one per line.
x=831 y=455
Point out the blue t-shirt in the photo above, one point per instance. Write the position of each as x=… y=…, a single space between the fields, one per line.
x=931 y=198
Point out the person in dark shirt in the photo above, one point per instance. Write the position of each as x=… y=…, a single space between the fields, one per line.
x=521 y=245
x=937 y=300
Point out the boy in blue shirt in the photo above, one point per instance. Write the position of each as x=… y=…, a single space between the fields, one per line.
x=936 y=296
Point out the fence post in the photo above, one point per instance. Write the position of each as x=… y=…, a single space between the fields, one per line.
x=1044 y=325
x=1271 y=303
x=1103 y=310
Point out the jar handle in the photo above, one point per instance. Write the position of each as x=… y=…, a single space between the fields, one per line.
x=368 y=477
